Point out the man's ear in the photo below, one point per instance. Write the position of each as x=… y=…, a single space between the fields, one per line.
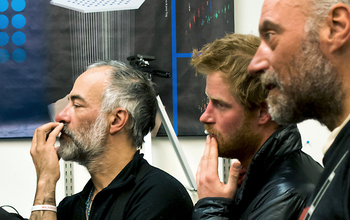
x=336 y=31
x=264 y=115
x=118 y=119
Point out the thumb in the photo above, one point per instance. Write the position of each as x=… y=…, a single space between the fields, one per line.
x=234 y=175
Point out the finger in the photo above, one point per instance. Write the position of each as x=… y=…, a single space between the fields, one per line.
x=205 y=156
x=207 y=148
x=212 y=162
x=234 y=175
x=203 y=162
x=54 y=133
x=198 y=173
x=213 y=153
x=44 y=130
x=33 y=147
x=213 y=147
x=34 y=137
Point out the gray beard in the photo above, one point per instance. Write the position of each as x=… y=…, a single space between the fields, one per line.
x=313 y=92
x=85 y=145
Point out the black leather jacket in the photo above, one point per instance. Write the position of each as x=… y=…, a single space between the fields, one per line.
x=276 y=186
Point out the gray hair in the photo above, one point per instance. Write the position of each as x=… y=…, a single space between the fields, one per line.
x=319 y=11
x=129 y=88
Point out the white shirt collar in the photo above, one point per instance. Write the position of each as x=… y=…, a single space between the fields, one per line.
x=334 y=134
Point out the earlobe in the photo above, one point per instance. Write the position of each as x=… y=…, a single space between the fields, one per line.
x=338 y=24
x=118 y=119
x=264 y=115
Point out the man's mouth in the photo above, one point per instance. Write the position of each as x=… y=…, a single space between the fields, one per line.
x=270 y=86
x=64 y=135
x=213 y=135
x=270 y=80
x=210 y=133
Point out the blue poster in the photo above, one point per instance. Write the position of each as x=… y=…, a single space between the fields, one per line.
x=23 y=68
x=44 y=48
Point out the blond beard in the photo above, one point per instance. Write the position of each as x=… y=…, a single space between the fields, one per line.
x=241 y=144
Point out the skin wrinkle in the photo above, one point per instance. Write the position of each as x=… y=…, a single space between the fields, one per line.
x=240 y=144
x=87 y=130
x=304 y=72
x=86 y=144
x=314 y=72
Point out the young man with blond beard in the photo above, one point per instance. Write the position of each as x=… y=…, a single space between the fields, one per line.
x=273 y=177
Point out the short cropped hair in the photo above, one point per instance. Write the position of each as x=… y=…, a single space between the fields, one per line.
x=130 y=89
x=318 y=12
x=232 y=55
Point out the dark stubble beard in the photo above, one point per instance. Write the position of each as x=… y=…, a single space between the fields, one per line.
x=314 y=90
x=85 y=145
x=241 y=144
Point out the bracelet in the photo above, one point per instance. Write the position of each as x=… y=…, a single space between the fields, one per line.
x=44 y=208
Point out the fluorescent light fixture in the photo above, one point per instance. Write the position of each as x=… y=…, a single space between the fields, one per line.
x=88 y=6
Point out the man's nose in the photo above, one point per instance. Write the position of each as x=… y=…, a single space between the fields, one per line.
x=259 y=64
x=207 y=116
x=63 y=116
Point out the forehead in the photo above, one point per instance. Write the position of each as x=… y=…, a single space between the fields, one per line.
x=217 y=88
x=215 y=81
x=285 y=12
x=91 y=84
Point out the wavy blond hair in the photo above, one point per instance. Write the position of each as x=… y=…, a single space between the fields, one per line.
x=231 y=55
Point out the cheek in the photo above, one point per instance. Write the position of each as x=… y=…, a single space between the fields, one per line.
x=283 y=54
x=82 y=124
x=230 y=124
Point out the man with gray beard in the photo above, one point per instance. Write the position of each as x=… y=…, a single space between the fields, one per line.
x=304 y=62
x=93 y=136
x=111 y=108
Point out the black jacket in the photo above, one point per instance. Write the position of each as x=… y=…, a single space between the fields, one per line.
x=276 y=186
x=140 y=191
x=332 y=194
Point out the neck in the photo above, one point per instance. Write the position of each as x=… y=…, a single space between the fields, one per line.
x=266 y=131
x=338 y=115
x=341 y=118
x=346 y=103
x=115 y=158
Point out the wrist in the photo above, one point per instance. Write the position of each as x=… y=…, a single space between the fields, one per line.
x=44 y=181
x=45 y=193
x=44 y=208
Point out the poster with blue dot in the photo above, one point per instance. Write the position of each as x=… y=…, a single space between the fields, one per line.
x=21 y=89
x=44 y=47
x=16 y=35
x=24 y=67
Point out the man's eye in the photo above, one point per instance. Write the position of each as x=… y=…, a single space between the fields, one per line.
x=218 y=104
x=269 y=36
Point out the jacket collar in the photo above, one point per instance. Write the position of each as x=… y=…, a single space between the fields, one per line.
x=277 y=147
x=123 y=178
x=280 y=145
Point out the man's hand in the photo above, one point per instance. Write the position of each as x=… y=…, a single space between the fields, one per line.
x=208 y=182
x=43 y=152
x=47 y=167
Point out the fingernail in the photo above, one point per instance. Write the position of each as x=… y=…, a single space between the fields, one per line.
x=236 y=160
